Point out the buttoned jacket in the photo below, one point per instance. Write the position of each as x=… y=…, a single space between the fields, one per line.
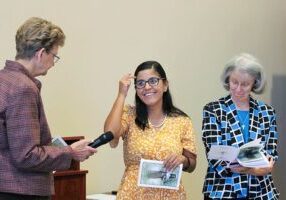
x=27 y=158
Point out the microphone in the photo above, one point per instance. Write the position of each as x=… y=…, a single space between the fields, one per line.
x=103 y=139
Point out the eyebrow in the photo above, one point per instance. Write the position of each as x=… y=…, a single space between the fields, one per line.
x=149 y=78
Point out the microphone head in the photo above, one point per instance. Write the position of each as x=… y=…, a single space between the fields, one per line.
x=108 y=136
x=102 y=139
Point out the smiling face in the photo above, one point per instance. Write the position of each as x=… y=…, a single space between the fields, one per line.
x=240 y=85
x=151 y=94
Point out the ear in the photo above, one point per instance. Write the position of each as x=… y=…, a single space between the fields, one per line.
x=39 y=53
x=166 y=85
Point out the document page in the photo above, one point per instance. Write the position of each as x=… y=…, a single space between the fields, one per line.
x=223 y=152
x=248 y=155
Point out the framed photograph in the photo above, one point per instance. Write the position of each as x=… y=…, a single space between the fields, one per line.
x=153 y=174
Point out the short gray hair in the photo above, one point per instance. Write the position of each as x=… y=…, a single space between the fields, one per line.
x=37 y=33
x=248 y=64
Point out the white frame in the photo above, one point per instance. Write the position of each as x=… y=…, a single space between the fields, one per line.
x=159 y=182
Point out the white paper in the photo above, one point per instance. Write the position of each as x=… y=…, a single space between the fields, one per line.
x=223 y=152
x=153 y=174
x=58 y=141
x=248 y=155
x=101 y=197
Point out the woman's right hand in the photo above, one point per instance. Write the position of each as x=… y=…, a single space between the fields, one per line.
x=124 y=84
x=81 y=151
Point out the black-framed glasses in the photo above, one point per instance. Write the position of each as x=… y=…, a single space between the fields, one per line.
x=56 y=58
x=153 y=81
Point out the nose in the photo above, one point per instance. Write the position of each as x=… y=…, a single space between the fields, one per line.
x=239 y=88
x=147 y=86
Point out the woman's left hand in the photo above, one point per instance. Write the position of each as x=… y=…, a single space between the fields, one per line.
x=173 y=161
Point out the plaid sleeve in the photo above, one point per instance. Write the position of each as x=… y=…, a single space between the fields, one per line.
x=24 y=131
x=211 y=129
x=272 y=136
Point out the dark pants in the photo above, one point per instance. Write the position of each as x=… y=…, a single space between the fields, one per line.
x=10 y=196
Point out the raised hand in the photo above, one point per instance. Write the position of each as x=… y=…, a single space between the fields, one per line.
x=124 y=83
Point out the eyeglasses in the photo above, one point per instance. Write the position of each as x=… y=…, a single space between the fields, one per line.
x=56 y=58
x=153 y=81
x=243 y=85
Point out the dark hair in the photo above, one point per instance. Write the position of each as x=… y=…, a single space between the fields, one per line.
x=168 y=107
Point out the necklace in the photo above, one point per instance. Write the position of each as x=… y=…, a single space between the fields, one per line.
x=159 y=124
x=242 y=121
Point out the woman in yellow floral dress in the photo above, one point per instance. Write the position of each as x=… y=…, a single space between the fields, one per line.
x=153 y=129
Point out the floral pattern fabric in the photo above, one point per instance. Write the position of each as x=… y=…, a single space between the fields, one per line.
x=174 y=136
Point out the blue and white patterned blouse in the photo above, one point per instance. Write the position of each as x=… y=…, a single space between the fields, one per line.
x=221 y=127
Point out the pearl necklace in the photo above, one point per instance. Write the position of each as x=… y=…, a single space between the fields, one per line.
x=158 y=125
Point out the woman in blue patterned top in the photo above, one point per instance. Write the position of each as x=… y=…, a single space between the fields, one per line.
x=235 y=120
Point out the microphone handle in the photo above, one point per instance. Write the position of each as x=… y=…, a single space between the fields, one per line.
x=95 y=144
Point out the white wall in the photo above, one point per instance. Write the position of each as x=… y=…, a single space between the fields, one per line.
x=192 y=39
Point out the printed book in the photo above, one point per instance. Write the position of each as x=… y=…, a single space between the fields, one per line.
x=248 y=155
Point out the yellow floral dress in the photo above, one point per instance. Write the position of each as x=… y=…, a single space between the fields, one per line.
x=175 y=135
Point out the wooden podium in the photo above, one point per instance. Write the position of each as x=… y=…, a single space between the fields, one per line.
x=70 y=184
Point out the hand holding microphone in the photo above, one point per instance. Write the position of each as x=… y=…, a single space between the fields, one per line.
x=84 y=148
x=81 y=151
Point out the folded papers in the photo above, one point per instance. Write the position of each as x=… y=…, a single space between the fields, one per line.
x=248 y=155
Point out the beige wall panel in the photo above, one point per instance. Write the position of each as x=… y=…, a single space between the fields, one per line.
x=192 y=39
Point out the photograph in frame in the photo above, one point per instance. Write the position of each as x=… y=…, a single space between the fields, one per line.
x=153 y=174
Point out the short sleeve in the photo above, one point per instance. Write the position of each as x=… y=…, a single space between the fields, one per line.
x=188 y=137
x=128 y=116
